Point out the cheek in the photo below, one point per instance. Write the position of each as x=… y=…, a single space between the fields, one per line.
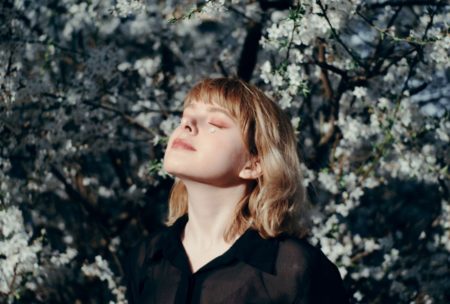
x=172 y=136
x=239 y=158
x=229 y=153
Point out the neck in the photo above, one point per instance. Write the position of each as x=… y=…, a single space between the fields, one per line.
x=211 y=210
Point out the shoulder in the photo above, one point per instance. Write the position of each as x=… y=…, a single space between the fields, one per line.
x=300 y=253
x=309 y=267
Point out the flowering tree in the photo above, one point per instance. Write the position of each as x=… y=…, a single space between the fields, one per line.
x=90 y=90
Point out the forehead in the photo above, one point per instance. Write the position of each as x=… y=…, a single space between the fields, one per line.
x=211 y=108
x=218 y=101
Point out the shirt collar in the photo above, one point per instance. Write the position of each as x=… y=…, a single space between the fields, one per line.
x=256 y=251
x=250 y=247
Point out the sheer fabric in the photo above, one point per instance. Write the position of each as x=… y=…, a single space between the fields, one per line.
x=253 y=270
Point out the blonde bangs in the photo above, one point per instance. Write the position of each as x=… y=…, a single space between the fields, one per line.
x=220 y=93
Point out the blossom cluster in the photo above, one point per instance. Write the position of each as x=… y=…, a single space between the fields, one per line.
x=20 y=252
x=101 y=269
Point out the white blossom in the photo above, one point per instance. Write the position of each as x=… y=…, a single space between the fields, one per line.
x=168 y=125
x=360 y=92
x=124 y=8
x=443 y=131
x=328 y=180
x=100 y=269
x=213 y=7
x=61 y=259
x=20 y=254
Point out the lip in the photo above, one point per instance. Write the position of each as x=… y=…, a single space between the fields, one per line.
x=181 y=144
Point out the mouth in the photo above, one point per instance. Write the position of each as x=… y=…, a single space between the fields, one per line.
x=181 y=144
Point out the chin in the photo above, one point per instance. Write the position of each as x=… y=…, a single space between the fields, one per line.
x=174 y=170
x=169 y=169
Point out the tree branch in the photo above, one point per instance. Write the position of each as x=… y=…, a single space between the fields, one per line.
x=249 y=54
x=128 y=118
x=336 y=35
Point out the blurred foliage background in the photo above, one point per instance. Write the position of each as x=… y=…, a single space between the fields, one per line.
x=90 y=90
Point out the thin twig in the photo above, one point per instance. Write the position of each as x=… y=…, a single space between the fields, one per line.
x=128 y=118
x=338 y=38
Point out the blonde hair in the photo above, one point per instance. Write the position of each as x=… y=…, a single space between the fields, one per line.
x=275 y=203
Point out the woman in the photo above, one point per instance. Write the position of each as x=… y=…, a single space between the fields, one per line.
x=237 y=210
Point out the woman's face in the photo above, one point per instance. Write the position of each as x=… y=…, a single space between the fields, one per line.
x=206 y=147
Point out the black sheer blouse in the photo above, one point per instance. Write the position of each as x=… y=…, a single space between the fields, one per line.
x=253 y=270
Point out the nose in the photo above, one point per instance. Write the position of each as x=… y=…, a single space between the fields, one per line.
x=188 y=125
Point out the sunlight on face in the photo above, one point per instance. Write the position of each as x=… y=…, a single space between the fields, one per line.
x=206 y=147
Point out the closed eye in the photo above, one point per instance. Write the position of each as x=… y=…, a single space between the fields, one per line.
x=216 y=125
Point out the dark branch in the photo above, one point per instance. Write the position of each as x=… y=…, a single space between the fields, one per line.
x=249 y=54
x=128 y=118
x=331 y=68
x=354 y=56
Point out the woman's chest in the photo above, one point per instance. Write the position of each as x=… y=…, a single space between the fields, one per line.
x=235 y=283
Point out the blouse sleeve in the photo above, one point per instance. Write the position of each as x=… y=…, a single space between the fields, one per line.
x=132 y=265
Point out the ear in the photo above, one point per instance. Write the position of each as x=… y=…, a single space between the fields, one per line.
x=252 y=169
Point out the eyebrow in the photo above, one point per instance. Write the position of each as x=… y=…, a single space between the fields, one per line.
x=211 y=109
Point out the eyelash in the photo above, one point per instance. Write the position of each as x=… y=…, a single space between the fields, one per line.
x=211 y=123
